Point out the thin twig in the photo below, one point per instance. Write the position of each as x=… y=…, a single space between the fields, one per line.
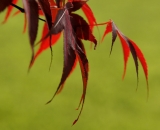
x=23 y=11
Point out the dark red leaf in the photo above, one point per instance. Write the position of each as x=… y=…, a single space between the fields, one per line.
x=75 y=42
x=59 y=22
x=73 y=67
x=114 y=35
x=45 y=6
x=58 y=25
x=31 y=10
x=83 y=62
x=142 y=60
x=82 y=28
x=134 y=55
x=81 y=46
x=69 y=61
x=4 y=4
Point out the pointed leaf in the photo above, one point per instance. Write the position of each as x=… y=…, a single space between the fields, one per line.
x=126 y=51
x=73 y=68
x=31 y=10
x=127 y=45
x=134 y=55
x=81 y=46
x=142 y=61
x=114 y=35
x=69 y=60
x=108 y=29
x=45 y=6
x=83 y=62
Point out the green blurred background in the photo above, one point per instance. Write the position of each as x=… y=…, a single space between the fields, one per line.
x=111 y=104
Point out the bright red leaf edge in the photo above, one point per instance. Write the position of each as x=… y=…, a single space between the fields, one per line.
x=31 y=9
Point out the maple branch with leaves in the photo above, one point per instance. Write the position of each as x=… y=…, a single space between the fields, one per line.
x=60 y=17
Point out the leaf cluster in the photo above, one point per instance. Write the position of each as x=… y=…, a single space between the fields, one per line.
x=61 y=18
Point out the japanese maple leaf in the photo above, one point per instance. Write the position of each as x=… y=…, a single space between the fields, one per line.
x=128 y=46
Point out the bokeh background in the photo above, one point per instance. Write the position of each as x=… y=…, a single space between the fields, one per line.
x=111 y=104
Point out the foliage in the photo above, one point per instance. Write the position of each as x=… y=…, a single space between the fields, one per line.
x=60 y=17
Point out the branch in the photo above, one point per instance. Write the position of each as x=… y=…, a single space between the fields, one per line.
x=23 y=11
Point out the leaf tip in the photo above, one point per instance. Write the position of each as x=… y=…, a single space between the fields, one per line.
x=48 y=102
x=75 y=122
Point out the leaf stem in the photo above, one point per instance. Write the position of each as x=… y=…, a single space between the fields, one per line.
x=98 y=24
